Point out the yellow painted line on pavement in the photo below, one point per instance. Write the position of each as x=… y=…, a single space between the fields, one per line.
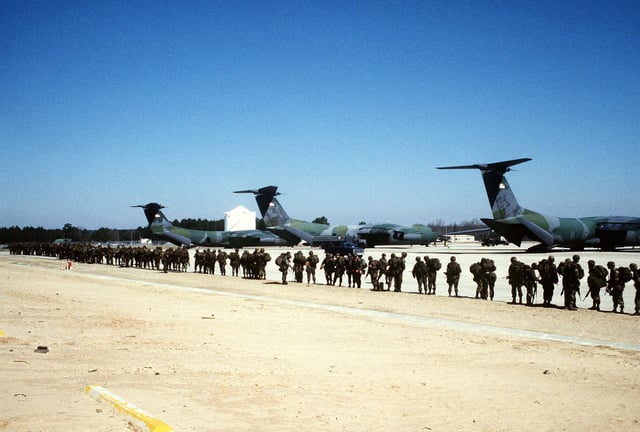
x=152 y=423
x=2 y=334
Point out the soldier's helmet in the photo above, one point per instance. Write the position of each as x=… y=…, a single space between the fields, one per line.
x=551 y=258
x=418 y=259
x=393 y=255
x=453 y=258
x=513 y=259
x=534 y=266
x=384 y=254
x=576 y=258
x=611 y=264
x=404 y=254
x=591 y=263
x=310 y=253
x=633 y=266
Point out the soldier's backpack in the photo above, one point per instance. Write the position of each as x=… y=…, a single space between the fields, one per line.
x=279 y=261
x=453 y=269
x=435 y=264
x=544 y=267
x=600 y=272
x=475 y=268
x=625 y=274
x=488 y=265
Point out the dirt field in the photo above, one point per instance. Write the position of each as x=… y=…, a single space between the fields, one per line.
x=216 y=353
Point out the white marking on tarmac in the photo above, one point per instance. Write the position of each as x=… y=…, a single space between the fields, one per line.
x=414 y=319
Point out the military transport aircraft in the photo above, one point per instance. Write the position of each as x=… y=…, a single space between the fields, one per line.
x=162 y=228
x=370 y=235
x=516 y=223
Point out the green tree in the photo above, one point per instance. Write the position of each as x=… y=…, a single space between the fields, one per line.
x=102 y=235
x=321 y=220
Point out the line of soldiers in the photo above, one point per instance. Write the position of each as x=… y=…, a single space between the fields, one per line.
x=254 y=265
x=613 y=278
x=176 y=259
x=392 y=269
x=335 y=267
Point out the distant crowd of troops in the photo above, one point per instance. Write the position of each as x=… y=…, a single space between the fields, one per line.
x=173 y=259
x=384 y=272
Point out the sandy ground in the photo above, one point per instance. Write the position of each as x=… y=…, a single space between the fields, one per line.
x=217 y=353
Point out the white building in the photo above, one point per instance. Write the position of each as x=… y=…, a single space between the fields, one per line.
x=239 y=218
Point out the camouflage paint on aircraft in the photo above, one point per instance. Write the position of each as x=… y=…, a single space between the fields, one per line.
x=277 y=219
x=162 y=228
x=516 y=223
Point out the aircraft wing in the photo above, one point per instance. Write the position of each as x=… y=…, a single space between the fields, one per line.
x=470 y=231
x=501 y=167
x=514 y=233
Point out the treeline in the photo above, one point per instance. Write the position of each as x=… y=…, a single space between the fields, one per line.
x=16 y=234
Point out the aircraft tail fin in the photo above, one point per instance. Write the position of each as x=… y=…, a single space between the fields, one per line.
x=501 y=198
x=155 y=217
x=271 y=210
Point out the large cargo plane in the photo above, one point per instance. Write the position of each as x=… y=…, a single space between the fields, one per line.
x=516 y=223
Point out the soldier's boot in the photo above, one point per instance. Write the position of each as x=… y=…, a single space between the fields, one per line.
x=449 y=291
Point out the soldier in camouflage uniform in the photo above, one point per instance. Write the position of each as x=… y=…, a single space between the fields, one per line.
x=615 y=284
x=261 y=260
x=453 y=275
x=433 y=265
x=298 y=266
x=283 y=263
x=548 y=278
x=373 y=270
x=530 y=282
x=328 y=264
x=516 y=279
x=596 y=280
x=358 y=266
x=419 y=273
x=339 y=269
x=234 y=260
x=571 y=272
x=396 y=267
x=476 y=271
x=222 y=262
x=635 y=276
x=384 y=270
x=488 y=278
x=311 y=264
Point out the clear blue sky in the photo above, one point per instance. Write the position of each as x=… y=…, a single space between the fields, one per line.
x=347 y=106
